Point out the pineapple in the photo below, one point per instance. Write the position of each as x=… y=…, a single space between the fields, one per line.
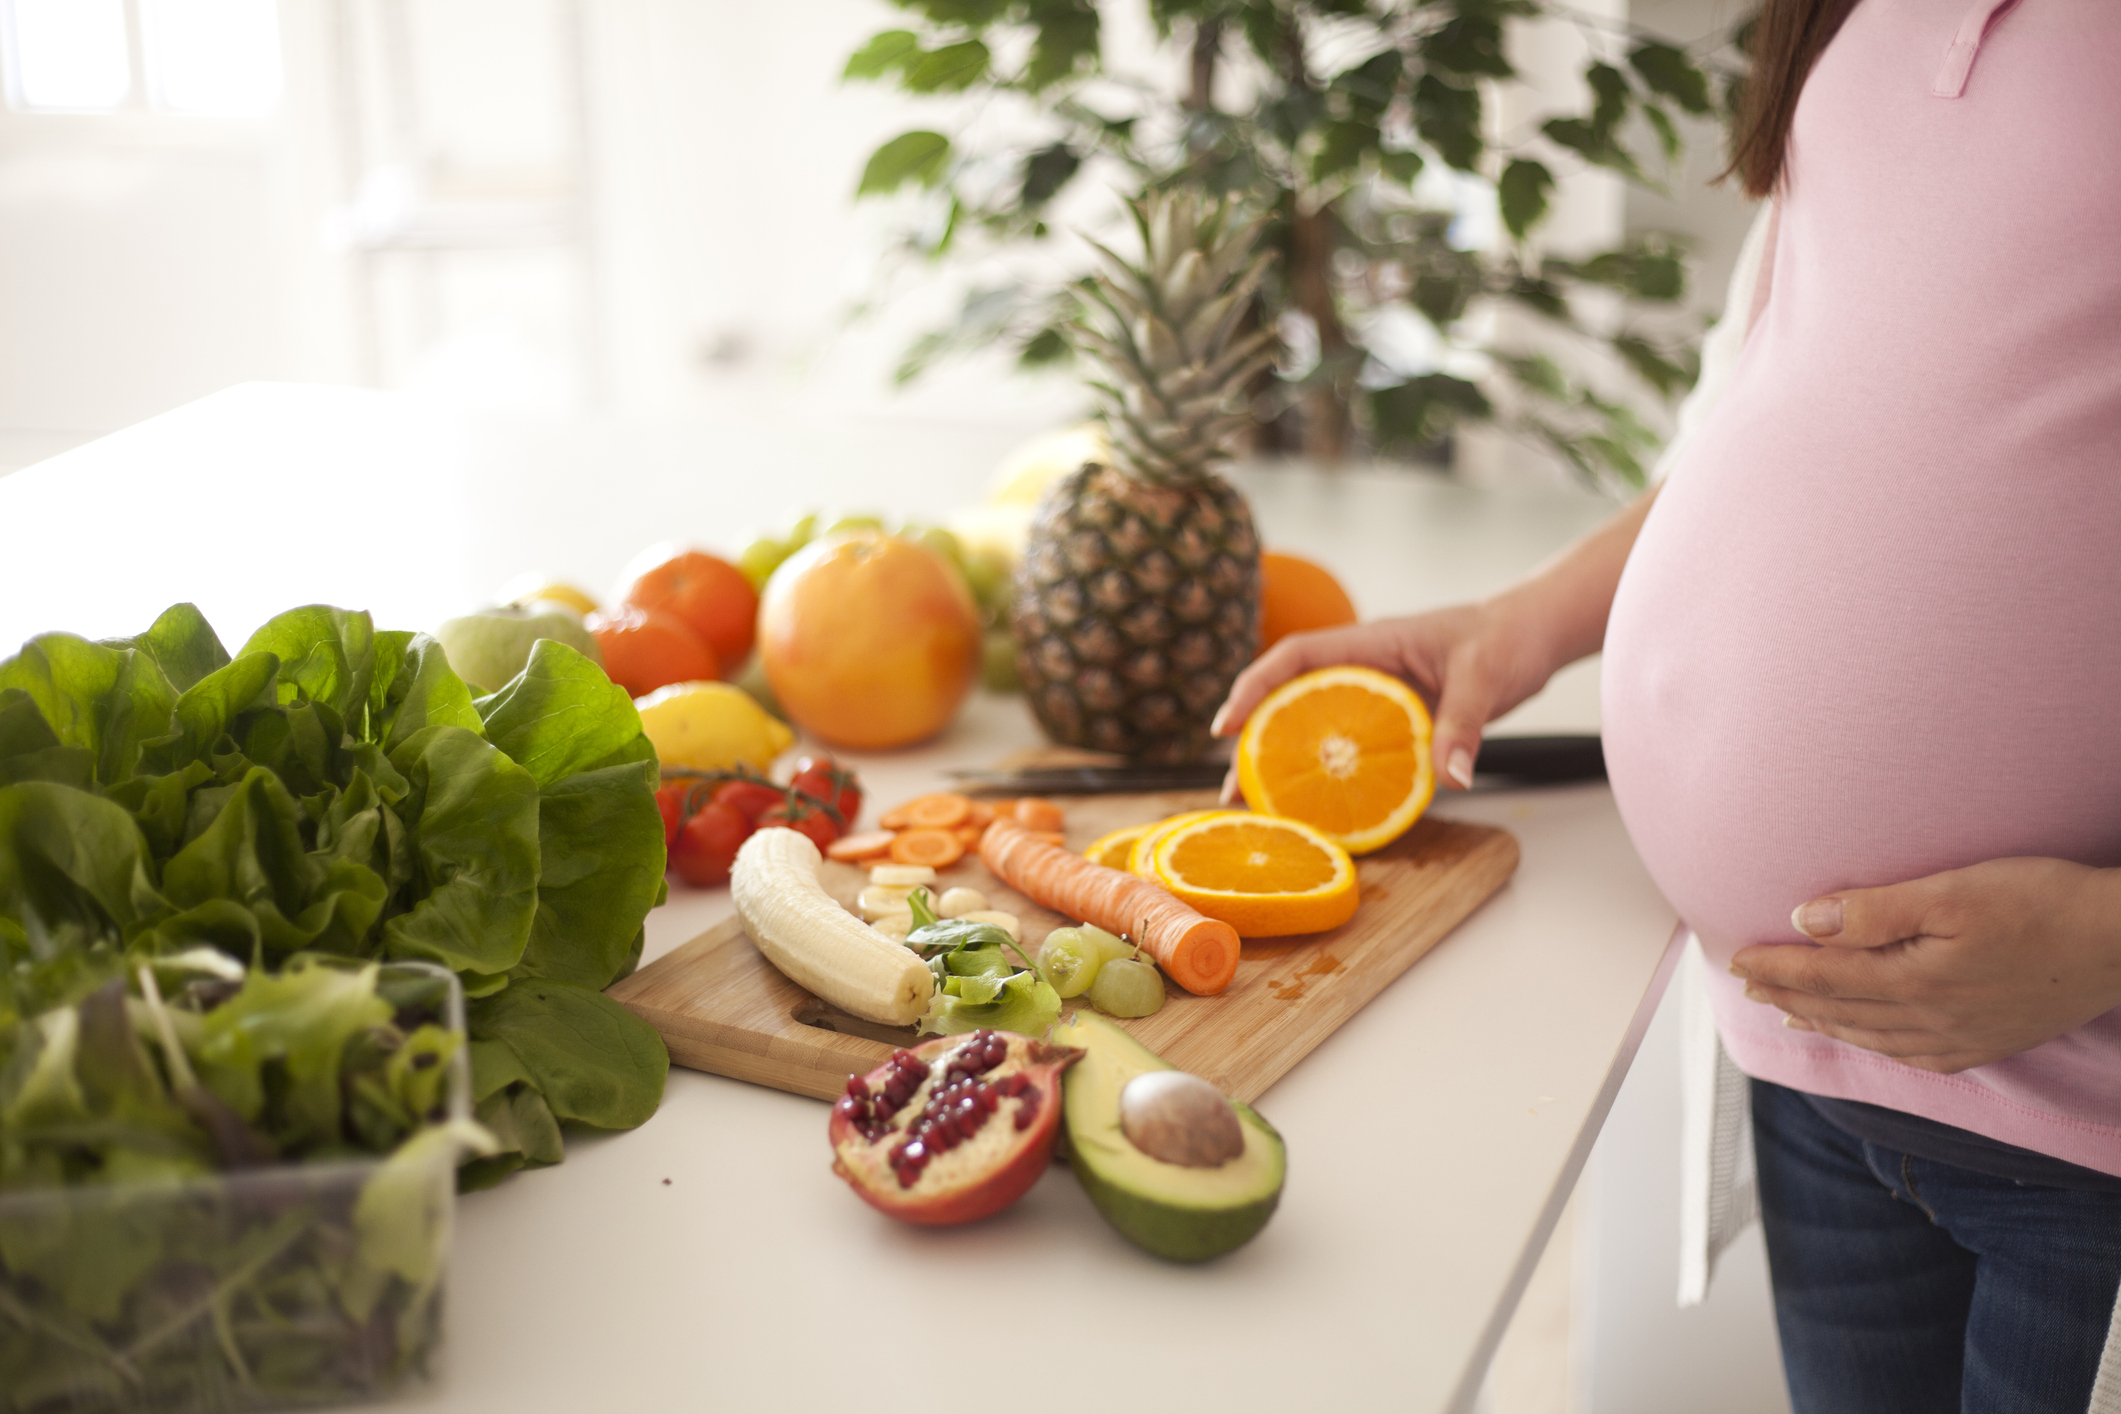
x=1137 y=597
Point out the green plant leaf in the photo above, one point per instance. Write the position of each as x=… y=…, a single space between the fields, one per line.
x=1469 y=45
x=1668 y=71
x=561 y=715
x=104 y=700
x=1369 y=87
x=1401 y=167
x=1522 y=194
x=182 y=643
x=1046 y=171
x=950 y=69
x=1610 y=94
x=593 y=1061
x=1417 y=412
x=1067 y=40
x=600 y=840
x=74 y=871
x=326 y=655
x=1667 y=131
x=883 y=54
x=1448 y=119
x=1342 y=149
x=1596 y=147
x=473 y=817
x=1667 y=375
x=917 y=157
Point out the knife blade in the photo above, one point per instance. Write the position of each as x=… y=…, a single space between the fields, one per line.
x=1505 y=762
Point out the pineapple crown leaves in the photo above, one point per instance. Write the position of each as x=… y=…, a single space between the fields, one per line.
x=1165 y=328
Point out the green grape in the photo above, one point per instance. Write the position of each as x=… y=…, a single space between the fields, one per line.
x=1069 y=961
x=987 y=575
x=1110 y=945
x=1127 y=987
x=857 y=522
x=998 y=661
x=941 y=541
x=760 y=559
x=802 y=532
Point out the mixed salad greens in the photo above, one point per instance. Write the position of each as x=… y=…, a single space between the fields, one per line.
x=976 y=985
x=334 y=789
x=174 y=1233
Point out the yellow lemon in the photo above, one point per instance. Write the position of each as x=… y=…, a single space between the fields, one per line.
x=711 y=726
x=527 y=587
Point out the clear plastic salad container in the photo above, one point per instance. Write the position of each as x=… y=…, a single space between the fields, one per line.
x=274 y=1287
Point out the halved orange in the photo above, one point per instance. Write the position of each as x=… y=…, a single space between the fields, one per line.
x=1344 y=750
x=1263 y=876
x=1111 y=850
x=1138 y=861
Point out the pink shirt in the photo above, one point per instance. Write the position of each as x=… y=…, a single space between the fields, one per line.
x=1872 y=627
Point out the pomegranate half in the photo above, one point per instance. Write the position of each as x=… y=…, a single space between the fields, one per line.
x=953 y=1130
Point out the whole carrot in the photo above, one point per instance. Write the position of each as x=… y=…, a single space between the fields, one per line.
x=1197 y=952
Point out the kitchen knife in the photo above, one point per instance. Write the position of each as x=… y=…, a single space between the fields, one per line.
x=1505 y=761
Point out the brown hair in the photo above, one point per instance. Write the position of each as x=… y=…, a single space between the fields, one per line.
x=1787 y=38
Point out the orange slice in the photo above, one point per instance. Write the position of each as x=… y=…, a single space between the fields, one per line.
x=1343 y=750
x=1263 y=876
x=1111 y=850
x=1138 y=853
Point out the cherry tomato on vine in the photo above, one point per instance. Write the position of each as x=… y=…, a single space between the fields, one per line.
x=707 y=844
x=825 y=778
x=805 y=814
x=670 y=799
x=750 y=798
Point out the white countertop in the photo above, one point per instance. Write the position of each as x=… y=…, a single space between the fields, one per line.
x=1432 y=1140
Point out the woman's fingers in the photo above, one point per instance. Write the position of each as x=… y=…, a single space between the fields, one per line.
x=1864 y=1012
x=1465 y=706
x=1368 y=644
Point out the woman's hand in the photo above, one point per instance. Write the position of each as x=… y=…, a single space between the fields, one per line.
x=1951 y=971
x=1471 y=663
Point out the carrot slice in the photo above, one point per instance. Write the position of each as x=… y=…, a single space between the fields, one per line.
x=1035 y=814
x=934 y=848
x=980 y=814
x=969 y=835
x=1197 y=952
x=937 y=812
x=866 y=845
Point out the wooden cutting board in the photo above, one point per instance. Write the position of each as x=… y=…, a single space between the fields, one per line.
x=721 y=1007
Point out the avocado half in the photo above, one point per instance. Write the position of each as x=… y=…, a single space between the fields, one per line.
x=1185 y=1214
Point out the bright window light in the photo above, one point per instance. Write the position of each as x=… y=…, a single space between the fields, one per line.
x=211 y=56
x=67 y=54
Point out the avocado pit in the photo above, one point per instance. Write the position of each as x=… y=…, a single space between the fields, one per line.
x=1180 y=1119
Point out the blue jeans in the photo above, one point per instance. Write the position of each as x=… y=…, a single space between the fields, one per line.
x=1908 y=1286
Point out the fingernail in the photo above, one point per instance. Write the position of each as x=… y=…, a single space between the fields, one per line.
x=1460 y=767
x=1737 y=971
x=1796 y=1023
x=1821 y=918
x=1753 y=993
x=1222 y=714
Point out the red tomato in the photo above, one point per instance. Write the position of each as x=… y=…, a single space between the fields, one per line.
x=805 y=814
x=832 y=783
x=750 y=798
x=670 y=799
x=707 y=844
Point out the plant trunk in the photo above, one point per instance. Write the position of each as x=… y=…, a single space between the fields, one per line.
x=1310 y=277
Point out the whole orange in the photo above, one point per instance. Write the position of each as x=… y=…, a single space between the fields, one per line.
x=645 y=649
x=1297 y=595
x=869 y=641
x=711 y=595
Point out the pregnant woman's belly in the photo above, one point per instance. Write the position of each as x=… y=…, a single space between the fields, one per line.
x=1872 y=628
x=1840 y=660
